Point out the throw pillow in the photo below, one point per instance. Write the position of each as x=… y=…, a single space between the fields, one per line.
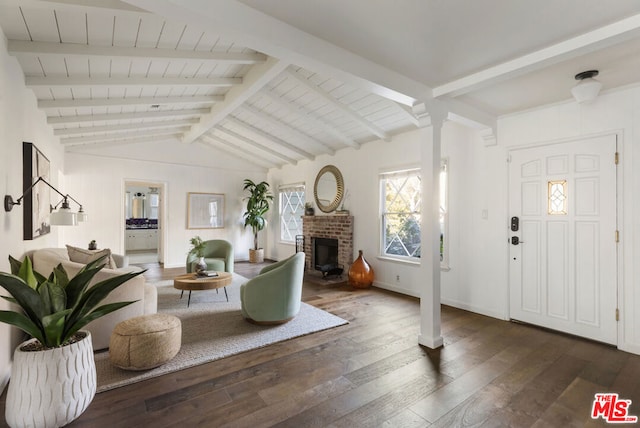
x=80 y=255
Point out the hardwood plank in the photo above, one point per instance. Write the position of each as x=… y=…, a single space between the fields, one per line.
x=372 y=372
x=456 y=392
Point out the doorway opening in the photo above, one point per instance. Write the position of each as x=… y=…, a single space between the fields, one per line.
x=143 y=215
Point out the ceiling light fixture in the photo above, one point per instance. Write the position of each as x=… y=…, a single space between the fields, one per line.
x=587 y=88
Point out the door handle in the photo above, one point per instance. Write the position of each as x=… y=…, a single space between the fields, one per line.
x=516 y=241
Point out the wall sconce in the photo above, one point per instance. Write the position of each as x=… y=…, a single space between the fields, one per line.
x=62 y=217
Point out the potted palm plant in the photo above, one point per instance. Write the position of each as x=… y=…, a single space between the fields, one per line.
x=53 y=376
x=257 y=207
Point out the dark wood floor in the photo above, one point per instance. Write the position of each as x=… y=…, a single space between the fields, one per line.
x=372 y=373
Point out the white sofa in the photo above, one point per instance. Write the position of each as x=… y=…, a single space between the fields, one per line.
x=44 y=260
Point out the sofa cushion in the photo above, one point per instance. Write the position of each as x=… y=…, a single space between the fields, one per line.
x=80 y=255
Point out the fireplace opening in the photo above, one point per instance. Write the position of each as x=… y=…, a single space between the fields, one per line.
x=325 y=256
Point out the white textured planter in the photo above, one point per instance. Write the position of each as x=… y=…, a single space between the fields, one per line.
x=51 y=388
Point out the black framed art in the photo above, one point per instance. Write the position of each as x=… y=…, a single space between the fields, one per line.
x=36 y=211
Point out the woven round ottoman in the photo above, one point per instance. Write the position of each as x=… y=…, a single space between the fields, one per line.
x=145 y=342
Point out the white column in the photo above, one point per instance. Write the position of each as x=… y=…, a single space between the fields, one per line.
x=430 y=334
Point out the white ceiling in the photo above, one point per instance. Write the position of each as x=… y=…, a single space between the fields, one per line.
x=275 y=82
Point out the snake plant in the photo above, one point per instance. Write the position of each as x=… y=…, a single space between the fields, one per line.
x=54 y=308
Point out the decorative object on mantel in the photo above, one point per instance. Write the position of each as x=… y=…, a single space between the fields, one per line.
x=53 y=375
x=93 y=245
x=197 y=247
x=257 y=206
x=328 y=188
x=39 y=214
x=360 y=273
x=342 y=210
x=308 y=209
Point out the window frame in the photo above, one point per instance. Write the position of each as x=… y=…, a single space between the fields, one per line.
x=443 y=208
x=444 y=191
x=289 y=188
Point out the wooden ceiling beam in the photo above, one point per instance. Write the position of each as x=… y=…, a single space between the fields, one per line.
x=256 y=145
x=22 y=47
x=117 y=137
x=255 y=79
x=123 y=127
x=141 y=101
x=63 y=81
x=121 y=142
x=275 y=122
x=214 y=141
x=311 y=117
x=367 y=124
x=582 y=44
x=125 y=116
x=269 y=137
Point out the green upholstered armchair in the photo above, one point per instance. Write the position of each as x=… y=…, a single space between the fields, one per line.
x=218 y=255
x=273 y=297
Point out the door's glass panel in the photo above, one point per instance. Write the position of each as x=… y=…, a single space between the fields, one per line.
x=558 y=197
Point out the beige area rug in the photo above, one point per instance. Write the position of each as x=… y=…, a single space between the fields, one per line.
x=213 y=329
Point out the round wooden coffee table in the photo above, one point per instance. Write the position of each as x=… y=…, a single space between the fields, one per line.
x=191 y=281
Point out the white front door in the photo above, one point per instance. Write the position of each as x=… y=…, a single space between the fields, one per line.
x=562 y=205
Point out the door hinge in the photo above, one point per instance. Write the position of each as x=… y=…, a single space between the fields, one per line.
x=616 y=158
x=617 y=236
x=617 y=314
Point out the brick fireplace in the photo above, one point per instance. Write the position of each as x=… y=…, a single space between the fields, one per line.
x=334 y=226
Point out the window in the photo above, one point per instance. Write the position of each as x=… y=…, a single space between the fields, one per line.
x=291 y=200
x=401 y=215
x=401 y=203
x=557 y=191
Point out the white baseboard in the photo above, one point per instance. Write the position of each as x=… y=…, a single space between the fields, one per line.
x=475 y=309
x=396 y=289
x=630 y=347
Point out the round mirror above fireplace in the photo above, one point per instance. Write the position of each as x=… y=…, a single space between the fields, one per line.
x=328 y=188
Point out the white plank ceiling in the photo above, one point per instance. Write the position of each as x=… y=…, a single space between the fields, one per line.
x=112 y=77
x=276 y=82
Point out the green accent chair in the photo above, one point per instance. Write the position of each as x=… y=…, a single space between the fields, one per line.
x=218 y=255
x=274 y=296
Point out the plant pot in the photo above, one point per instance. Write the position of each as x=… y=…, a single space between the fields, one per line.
x=256 y=256
x=53 y=387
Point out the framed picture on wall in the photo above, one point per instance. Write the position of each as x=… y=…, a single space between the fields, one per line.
x=36 y=212
x=205 y=210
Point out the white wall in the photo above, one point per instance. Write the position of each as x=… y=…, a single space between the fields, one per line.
x=475 y=280
x=360 y=170
x=20 y=121
x=478 y=198
x=612 y=112
x=98 y=183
